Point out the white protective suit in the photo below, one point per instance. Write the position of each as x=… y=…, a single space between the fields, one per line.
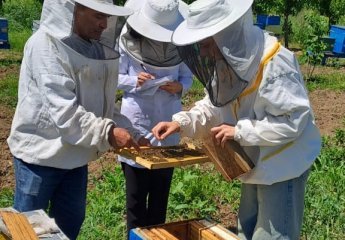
x=66 y=101
x=146 y=107
x=273 y=118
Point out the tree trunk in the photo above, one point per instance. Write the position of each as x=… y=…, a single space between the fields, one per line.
x=286 y=28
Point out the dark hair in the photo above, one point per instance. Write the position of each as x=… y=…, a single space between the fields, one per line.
x=134 y=33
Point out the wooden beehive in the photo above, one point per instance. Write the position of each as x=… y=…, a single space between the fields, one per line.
x=231 y=161
x=165 y=157
x=196 y=229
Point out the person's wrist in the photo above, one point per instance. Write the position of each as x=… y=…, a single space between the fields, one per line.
x=178 y=126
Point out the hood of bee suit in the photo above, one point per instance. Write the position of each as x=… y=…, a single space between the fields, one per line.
x=58 y=15
x=242 y=45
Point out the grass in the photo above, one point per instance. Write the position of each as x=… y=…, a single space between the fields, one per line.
x=8 y=90
x=194 y=94
x=195 y=192
x=18 y=39
x=331 y=80
x=199 y=191
x=325 y=199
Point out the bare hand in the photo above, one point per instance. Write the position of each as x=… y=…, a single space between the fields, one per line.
x=144 y=142
x=143 y=77
x=164 y=129
x=120 y=138
x=172 y=87
x=223 y=133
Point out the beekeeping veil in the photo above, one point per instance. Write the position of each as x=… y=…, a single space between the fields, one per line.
x=226 y=71
x=58 y=18
x=147 y=36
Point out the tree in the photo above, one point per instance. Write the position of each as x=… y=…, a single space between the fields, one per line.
x=283 y=8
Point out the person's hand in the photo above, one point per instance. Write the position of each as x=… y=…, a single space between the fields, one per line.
x=172 y=87
x=120 y=138
x=164 y=129
x=143 y=77
x=223 y=133
x=144 y=142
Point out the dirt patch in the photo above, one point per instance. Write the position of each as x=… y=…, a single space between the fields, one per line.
x=6 y=165
x=329 y=110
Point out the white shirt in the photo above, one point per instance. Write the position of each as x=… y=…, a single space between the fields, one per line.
x=146 y=110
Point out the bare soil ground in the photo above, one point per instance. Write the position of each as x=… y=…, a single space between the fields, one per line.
x=328 y=108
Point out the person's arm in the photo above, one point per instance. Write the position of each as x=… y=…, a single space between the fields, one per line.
x=195 y=123
x=73 y=122
x=123 y=122
x=283 y=109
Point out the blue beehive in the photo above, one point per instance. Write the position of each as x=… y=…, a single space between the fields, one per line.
x=4 y=33
x=265 y=20
x=338 y=32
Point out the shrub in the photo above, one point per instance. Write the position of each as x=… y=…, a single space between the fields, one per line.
x=21 y=13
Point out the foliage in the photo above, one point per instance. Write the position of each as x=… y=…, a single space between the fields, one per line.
x=325 y=201
x=199 y=191
x=195 y=93
x=284 y=8
x=105 y=207
x=195 y=192
x=18 y=38
x=21 y=13
x=313 y=47
x=303 y=24
x=331 y=80
x=333 y=9
x=8 y=90
x=6 y=198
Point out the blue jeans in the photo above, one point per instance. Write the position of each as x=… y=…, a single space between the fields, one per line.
x=274 y=211
x=63 y=191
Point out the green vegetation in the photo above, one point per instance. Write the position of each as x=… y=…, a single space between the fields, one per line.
x=331 y=80
x=20 y=15
x=199 y=191
x=325 y=200
x=8 y=90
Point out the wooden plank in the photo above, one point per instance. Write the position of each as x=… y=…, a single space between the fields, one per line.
x=167 y=234
x=219 y=230
x=148 y=234
x=18 y=226
x=203 y=232
x=231 y=161
x=156 y=162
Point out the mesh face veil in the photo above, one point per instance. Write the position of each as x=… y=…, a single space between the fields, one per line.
x=64 y=20
x=149 y=51
x=106 y=47
x=209 y=66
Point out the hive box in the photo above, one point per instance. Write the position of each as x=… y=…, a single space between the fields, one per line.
x=4 y=33
x=195 y=229
x=338 y=32
x=265 y=20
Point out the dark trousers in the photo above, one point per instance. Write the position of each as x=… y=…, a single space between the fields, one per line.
x=147 y=193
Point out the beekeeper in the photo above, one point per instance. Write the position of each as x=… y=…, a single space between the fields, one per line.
x=256 y=96
x=65 y=114
x=154 y=79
